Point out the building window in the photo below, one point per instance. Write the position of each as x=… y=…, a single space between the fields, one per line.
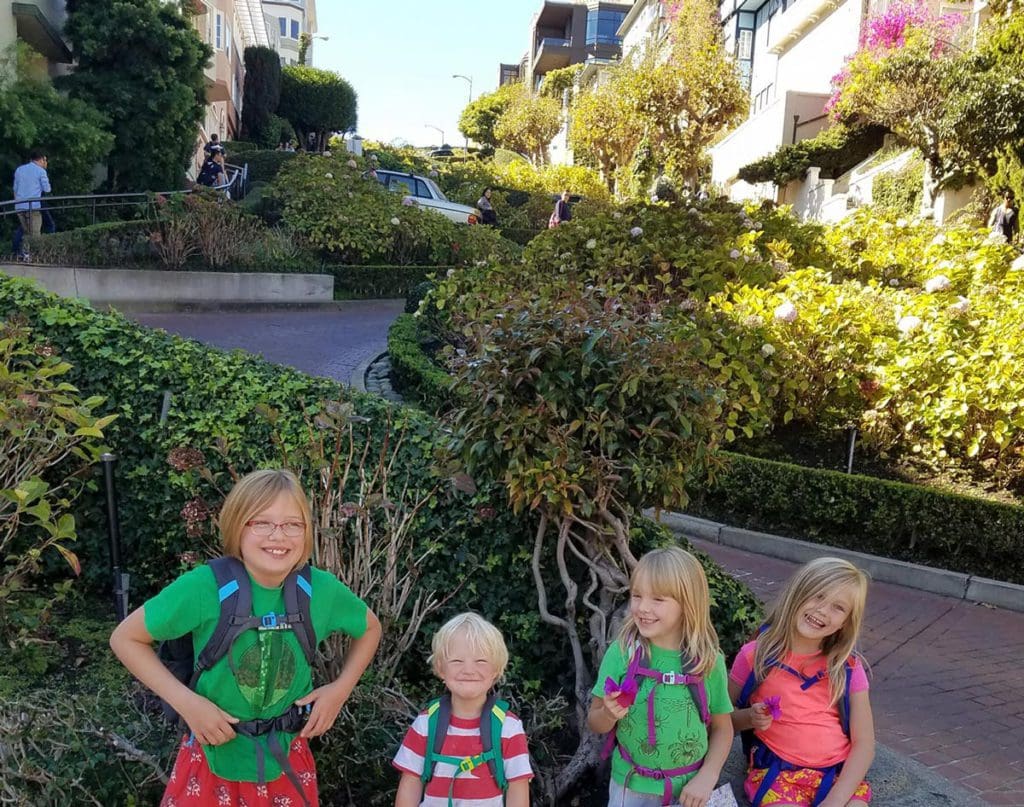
x=218 y=32
x=227 y=40
x=745 y=45
x=295 y=29
x=602 y=27
x=283 y=22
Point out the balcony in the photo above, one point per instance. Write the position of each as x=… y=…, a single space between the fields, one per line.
x=39 y=24
x=798 y=18
x=551 y=54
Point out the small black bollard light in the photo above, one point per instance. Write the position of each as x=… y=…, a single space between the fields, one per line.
x=119 y=578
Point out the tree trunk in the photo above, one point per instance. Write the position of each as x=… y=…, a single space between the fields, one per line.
x=930 y=186
x=587 y=756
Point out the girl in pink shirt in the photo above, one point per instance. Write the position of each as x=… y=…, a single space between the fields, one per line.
x=802 y=694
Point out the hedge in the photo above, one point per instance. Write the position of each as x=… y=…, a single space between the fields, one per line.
x=866 y=514
x=418 y=378
x=835 y=151
x=111 y=243
x=263 y=164
x=377 y=282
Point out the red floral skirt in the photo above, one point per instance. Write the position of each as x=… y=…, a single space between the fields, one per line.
x=193 y=784
x=796 y=787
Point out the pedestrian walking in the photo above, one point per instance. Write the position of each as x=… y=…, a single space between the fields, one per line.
x=212 y=173
x=30 y=182
x=214 y=145
x=562 y=211
x=487 y=214
x=1005 y=220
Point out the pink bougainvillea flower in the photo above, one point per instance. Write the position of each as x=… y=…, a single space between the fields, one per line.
x=774 y=705
x=626 y=691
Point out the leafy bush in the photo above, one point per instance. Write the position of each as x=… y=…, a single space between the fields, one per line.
x=352 y=219
x=898 y=193
x=835 y=151
x=892 y=519
x=359 y=282
x=236 y=146
x=49 y=435
x=418 y=378
x=264 y=164
x=113 y=243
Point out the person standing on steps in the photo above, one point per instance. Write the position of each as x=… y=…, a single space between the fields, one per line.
x=30 y=182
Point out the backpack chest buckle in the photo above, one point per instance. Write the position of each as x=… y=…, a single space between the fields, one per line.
x=669 y=678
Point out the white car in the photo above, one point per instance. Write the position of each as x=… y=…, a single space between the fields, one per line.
x=424 y=192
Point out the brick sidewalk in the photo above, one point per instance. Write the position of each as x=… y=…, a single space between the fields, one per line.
x=947 y=686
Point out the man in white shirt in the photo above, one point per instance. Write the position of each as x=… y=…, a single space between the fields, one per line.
x=30 y=183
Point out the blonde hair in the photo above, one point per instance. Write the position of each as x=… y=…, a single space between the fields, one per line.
x=820 y=576
x=482 y=635
x=674 y=572
x=254 y=493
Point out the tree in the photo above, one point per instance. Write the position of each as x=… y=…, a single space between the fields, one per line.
x=316 y=102
x=957 y=107
x=262 y=91
x=663 y=111
x=149 y=84
x=481 y=115
x=528 y=124
x=34 y=115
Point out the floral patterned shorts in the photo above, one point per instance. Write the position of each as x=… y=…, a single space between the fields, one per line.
x=193 y=784
x=796 y=787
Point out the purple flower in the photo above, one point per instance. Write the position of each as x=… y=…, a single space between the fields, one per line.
x=774 y=706
x=626 y=690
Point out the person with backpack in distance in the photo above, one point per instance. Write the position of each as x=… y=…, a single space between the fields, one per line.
x=466 y=749
x=241 y=634
x=661 y=691
x=801 y=693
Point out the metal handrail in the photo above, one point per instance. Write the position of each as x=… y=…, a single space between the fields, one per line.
x=239 y=175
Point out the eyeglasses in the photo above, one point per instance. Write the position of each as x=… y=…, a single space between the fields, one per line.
x=264 y=529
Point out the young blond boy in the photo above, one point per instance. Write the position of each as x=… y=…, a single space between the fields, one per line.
x=469 y=656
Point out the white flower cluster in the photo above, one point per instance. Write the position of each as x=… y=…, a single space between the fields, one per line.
x=785 y=312
x=937 y=283
x=636 y=232
x=908 y=324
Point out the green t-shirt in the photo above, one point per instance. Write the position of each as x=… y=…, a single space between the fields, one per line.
x=682 y=737
x=269 y=669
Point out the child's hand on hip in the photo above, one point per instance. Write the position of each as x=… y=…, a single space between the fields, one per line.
x=697 y=791
x=210 y=724
x=327 y=702
x=613 y=707
x=760 y=716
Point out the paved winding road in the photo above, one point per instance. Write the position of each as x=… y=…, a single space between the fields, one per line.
x=330 y=343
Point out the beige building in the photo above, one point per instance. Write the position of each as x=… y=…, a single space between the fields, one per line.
x=39 y=23
x=286 y=21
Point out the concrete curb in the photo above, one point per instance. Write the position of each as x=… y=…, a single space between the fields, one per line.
x=358 y=379
x=937 y=581
x=171 y=287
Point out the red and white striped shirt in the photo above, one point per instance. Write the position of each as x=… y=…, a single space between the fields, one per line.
x=475 y=788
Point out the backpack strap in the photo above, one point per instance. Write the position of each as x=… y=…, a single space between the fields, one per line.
x=492 y=721
x=844 y=702
x=439 y=716
x=298 y=595
x=234 y=592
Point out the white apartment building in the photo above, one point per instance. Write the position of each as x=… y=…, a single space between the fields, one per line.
x=787 y=52
x=286 y=21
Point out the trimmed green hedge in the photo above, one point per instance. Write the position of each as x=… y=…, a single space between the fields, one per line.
x=377 y=282
x=417 y=376
x=862 y=513
x=110 y=243
x=835 y=151
x=263 y=164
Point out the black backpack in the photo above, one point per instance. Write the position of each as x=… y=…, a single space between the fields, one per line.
x=236 y=617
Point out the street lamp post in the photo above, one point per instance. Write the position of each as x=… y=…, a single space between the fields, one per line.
x=470 y=81
x=436 y=128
